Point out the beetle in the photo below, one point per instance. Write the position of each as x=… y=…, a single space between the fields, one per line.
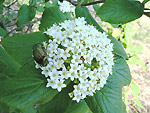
x=39 y=54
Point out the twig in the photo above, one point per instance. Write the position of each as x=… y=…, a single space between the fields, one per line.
x=32 y=22
x=12 y=4
x=29 y=28
x=87 y=4
x=10 y=21
x=146 y=9
x=92 y=3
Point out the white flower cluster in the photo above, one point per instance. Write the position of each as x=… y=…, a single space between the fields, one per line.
x=65 y=6
x=79 y=52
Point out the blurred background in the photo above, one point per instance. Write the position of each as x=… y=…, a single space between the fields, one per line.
x=134 y=36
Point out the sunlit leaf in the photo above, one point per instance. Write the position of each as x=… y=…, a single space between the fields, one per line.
x=120 y=11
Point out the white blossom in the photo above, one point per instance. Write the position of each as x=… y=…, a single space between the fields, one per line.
x=79 y=52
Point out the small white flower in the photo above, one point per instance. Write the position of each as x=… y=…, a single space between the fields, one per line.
x=54 y=74
x=73 y=75
x=76 y=59
x=77 y=97
x=66 y=7
x=60 y=85
x=64 y=73
x=51 y=83
x=65 y=54
x=87 y=58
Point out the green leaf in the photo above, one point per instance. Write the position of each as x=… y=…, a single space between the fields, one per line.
x=1 y=9
x=48 y=4
x=25 y=14
x=145 y=1
x=4 y=108
x=68 y=16
x=40 y=8
x=121 y=71
x=55 y=1
x=30 y=110
x=3 y=32
x=1 y=1
x=126 y=94
x=120 y=11
x=32 y=2
x=109 y=98
x=51 y=16
x=22 y=45
x=124 y=108
x=26 y=89
x=135 y=91
x=82 y=11
x=3 y=29
x=136 y=60
x=139 y=104
x=80 y=107
x=60 y=103
x=8 y=66
x=96 y=7
x=118 y=48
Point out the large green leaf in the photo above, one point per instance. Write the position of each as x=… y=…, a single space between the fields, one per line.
x=80 y=107
x=120 y=11
x=51 y=15
x=82 y=11
x=20 y=46
x=3 y=32
x=25 y=14
x=60 y=103
x=30 y=110
x=118 y=48
x=4 y=108
x=26 y=89
x=124 y=108
x=109 y=98
x=8 y=66
x=122 y=71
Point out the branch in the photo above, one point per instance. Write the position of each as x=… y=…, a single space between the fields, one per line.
x=146 y=9
x=73 y=3
x=12 y=4
x=87 y=4
x=92 y=3
x=32 y=22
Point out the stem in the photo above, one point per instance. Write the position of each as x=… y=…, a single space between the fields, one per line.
x=32 y=22
x=87 y=4
x=92 y=3
x=12 y=4
x=146 y=9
